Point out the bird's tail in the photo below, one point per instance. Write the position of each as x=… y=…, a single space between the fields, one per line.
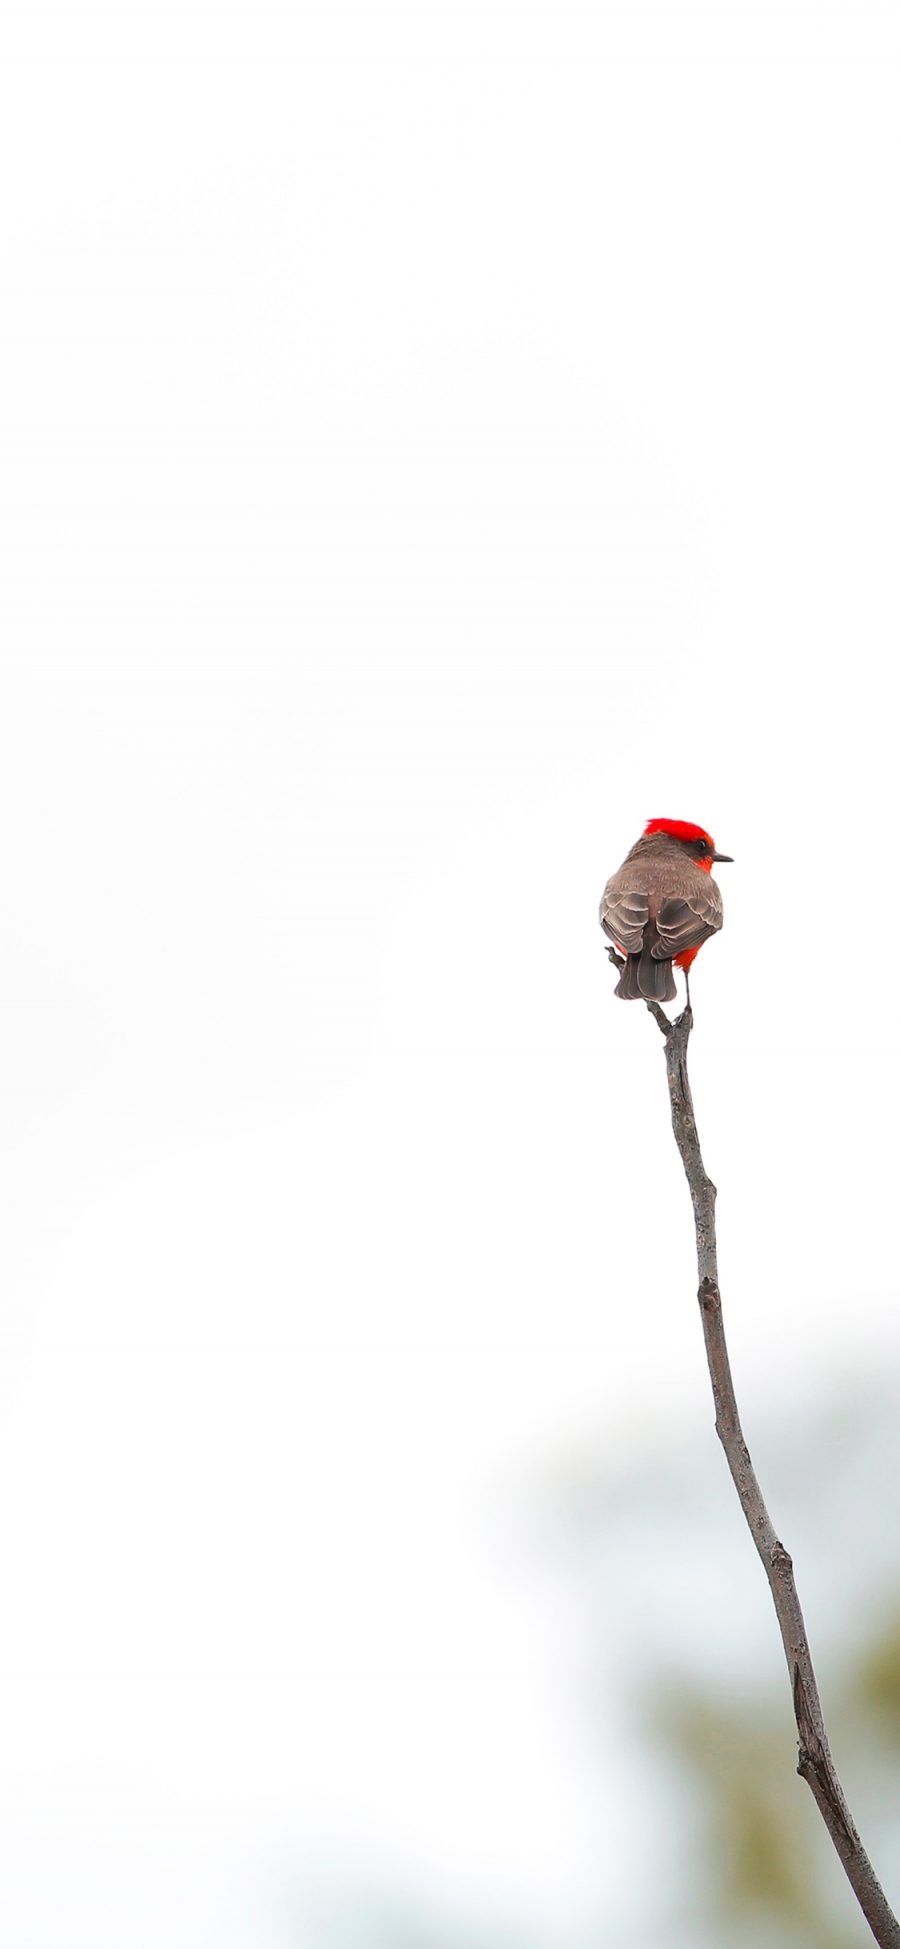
x=644 y=979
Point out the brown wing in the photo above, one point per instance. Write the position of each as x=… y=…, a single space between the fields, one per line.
x=624 y=914
x=685 y=923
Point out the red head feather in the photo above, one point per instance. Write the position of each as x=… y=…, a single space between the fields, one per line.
x=682 y=829
x=679 y=829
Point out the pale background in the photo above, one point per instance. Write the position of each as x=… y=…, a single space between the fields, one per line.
x=434 y=441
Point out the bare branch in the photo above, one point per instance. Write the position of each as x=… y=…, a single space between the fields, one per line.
x=815 y=1764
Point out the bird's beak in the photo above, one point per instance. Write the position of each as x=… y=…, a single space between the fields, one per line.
x=724 y=859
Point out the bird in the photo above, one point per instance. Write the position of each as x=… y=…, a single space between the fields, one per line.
x=661 y=906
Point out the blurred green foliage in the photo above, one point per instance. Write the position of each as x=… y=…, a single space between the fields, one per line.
x=736 y=1856
x=761 y=1873
x=876 y=1681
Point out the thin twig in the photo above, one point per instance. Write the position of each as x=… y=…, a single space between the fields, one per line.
x=815 y=1764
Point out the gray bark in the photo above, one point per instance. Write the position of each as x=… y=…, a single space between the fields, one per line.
x=815 y=1764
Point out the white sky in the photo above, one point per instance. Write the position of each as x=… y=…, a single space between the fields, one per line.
x=432 y=443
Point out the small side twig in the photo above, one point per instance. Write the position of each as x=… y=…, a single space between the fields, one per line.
x=815 y=1764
